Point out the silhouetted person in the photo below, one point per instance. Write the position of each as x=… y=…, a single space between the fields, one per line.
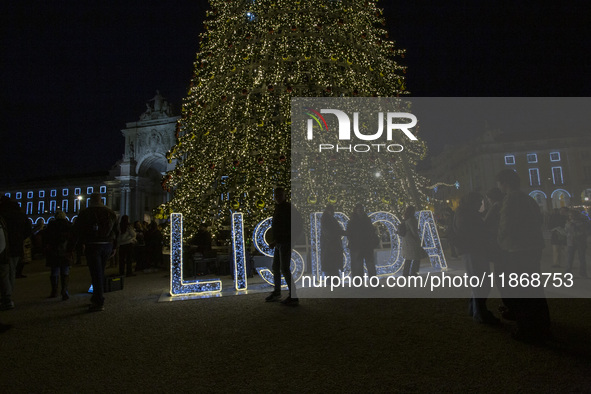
x=201 y=249
x=96 y=226
x=79 y=253
x=27 y=257
x=139 y=249
x=362 y=239
x=576 y=241
x=126 y=241
x=520 y=239
x=281 y=232
x=448 y=217
x=473 y=246
x=18 y=228
x=556 y=225
x=411 y=249
x=37 y=239
x=331 y=244
x=59 y=254
x=557 y=219
x=3 y=260
x=153 y=238
x=492 y=219
x=202 y=240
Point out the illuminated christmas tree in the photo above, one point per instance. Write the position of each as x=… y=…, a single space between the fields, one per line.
x=234 y=144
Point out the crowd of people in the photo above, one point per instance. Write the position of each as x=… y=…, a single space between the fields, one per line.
x=96 y=234
x=502 y=229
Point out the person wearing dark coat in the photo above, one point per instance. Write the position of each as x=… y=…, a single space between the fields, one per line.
x=492 y=220
x=126 y=241
x=18 y=228
x=3 y=260
x=97 y=228
x=556 y=225
x=576 y=241
x=281 y=233
x=202 y=240
x=139 y=249
x=331 y=244
x=410 y=246
x=57 y=241
x=362 y=240
x=521 y=242
x=153 y=239
x=473 y=247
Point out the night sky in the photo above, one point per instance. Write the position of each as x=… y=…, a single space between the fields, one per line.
x=74 y=72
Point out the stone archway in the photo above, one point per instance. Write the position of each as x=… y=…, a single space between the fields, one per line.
x=152 y=166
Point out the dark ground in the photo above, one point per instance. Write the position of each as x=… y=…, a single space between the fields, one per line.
x=242 y=344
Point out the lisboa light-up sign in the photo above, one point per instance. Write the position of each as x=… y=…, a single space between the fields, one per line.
x=180 y=287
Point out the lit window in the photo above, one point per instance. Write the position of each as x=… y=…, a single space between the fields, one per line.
x=65 y=192
x=52 y=206
x=7 y=194
x=41 y=193
x=29 y=194
x=89 y=190
x=41 y=207
x=65 y=205
x=534 y=177
x=557 y=176
x=76 y=205
x=103 y=189
x=104 y=200
x=29 y=208
x=19 y=195
x=532 y=158
x=509 y=159
x=555 y=156
x=53 y=193
x=77 y=191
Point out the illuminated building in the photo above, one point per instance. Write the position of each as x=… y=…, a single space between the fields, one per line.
x=131 y=187
x=555 y=168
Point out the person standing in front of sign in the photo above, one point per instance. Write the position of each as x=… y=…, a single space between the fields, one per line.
x=362 y=239
x=281 y=234
x=331 y=244
x=411 y=249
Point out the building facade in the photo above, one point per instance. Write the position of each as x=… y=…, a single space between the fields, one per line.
x=132 y=187
x=555 y=168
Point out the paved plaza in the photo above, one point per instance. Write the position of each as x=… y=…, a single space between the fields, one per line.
x=242 y=344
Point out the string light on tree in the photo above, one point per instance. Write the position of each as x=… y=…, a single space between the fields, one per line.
x=233 y=146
